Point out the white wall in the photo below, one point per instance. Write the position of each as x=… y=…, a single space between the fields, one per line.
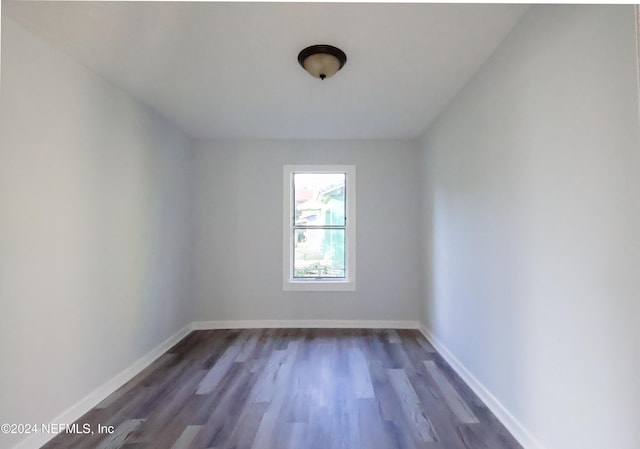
x=532 y=222
x=93 y=241
x=238 y=231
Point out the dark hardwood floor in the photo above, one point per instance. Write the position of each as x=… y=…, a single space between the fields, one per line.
x=294 y=389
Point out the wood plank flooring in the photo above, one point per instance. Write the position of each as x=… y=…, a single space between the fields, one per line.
x=294 y=389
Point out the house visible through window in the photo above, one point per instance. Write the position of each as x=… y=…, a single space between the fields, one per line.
x=319 y=228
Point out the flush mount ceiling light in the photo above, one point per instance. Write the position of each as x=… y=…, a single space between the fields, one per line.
x=322 y=61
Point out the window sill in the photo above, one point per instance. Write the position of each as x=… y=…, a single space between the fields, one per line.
x=319 y=286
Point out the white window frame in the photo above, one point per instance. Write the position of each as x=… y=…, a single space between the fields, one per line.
x=348 y=283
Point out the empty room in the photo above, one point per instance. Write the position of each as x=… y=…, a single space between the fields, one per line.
x=237 y=225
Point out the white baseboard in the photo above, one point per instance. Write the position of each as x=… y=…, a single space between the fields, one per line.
x=517 y=429
x=81 y=407
x=306 y=324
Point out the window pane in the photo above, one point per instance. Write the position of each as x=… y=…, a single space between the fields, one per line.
x=319 y=253
x=319 y=199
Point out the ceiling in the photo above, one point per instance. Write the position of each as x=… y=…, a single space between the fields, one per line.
x=230 y=70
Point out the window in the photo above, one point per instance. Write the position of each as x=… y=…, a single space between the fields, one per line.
x=319 y=238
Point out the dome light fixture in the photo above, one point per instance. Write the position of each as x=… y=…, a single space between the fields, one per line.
x=322 y=61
